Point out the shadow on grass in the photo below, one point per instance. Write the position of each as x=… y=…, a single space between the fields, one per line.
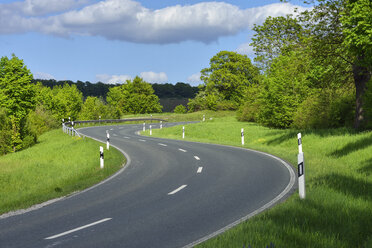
x=366 y=168
x=323 y=225
x=347 y=185
x=291 y=134
x=352 y=147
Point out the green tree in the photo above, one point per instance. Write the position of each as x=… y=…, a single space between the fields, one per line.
x=229 y=73
x=274 y=37
x=284 y=88
x=134 y=97
x=340 y=31
x=94 y=108
x=66 y=102
x=5 y=133
x=17 y=97
x=180 y=109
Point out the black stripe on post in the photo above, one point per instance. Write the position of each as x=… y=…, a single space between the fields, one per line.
x=299 y=141
x=101 y=155
x=300 y=169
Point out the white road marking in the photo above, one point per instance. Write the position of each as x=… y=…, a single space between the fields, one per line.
x=160 y=144
x=196 y=157
x=78 y=229
x=142 y=140
x=199 y=170
x=111 y=129
x=176 y=190
x=182 y=150
x=126 y=137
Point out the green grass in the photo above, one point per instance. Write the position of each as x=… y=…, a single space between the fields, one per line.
x=58 y=165
x=337 y=211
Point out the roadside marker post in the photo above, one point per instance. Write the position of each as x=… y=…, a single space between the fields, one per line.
x=144 y=126
x=242 y=134
x=150 y=130
x=72 y=129
x=183 y=132
x=101 y=157
x=161 y=124
x=301 y=169
x=203 y=117
x=108 y=141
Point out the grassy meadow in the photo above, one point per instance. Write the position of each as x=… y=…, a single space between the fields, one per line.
x=337 y=211
x=56 y=166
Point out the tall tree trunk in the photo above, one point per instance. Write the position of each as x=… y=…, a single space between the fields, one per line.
x=361 y=77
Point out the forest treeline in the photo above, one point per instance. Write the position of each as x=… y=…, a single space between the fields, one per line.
x=99 y=89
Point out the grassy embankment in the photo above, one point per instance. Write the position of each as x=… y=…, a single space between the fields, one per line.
x=58 y=165
x=337 y=211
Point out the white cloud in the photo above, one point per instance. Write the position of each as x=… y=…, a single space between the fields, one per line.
x=154 y=77
x=112 y=79
x=194 y=79
x=43 y=75
x=128 y=20
x=245 y=49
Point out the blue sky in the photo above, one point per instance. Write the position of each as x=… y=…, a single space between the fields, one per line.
x=166 y=41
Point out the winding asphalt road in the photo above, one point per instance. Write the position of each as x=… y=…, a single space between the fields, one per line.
x=170 y=194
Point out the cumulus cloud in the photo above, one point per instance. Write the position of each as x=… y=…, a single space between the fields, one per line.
x=43 y=75
x=154 y=77
x=245 y=49
x=128 y=20
x=194 y=79
x=112 y=79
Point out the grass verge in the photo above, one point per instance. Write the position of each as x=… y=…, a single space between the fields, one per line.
x=337 y=211
x=58 y=165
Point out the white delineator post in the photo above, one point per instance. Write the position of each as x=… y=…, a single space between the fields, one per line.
x=150 y=130
x=183 y=132
x=108 y=141
x=242 y=133
x=301 y=169
x=144 y=127
x=101 y=162
x=203 y=117
x=161 y=124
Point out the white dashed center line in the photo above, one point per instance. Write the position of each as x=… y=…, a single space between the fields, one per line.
x=177 y=190
x=142 y=140
x=196 y=157
x=160 y=144
x=126 y=137
x=77 y=229
x=182 y=150
x=199 y=170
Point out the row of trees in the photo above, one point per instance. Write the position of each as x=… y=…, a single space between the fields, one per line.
x=313 y=70
x=27 y=109
x=99 y=89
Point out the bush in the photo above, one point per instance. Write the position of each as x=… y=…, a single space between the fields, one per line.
x=180 y=109
x=5 y=133
x=250 y=109
x=326 y=108
x=41 y=120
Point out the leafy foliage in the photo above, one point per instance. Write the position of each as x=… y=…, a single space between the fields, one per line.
x=180 y=109
x=134 y=97
x=229 y=74
x=17 y=98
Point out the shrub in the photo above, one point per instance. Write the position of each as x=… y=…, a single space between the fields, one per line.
x=5 y=133
x=327 y=108
x=180 y=109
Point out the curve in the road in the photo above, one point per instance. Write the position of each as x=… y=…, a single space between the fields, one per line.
x=172 y=194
